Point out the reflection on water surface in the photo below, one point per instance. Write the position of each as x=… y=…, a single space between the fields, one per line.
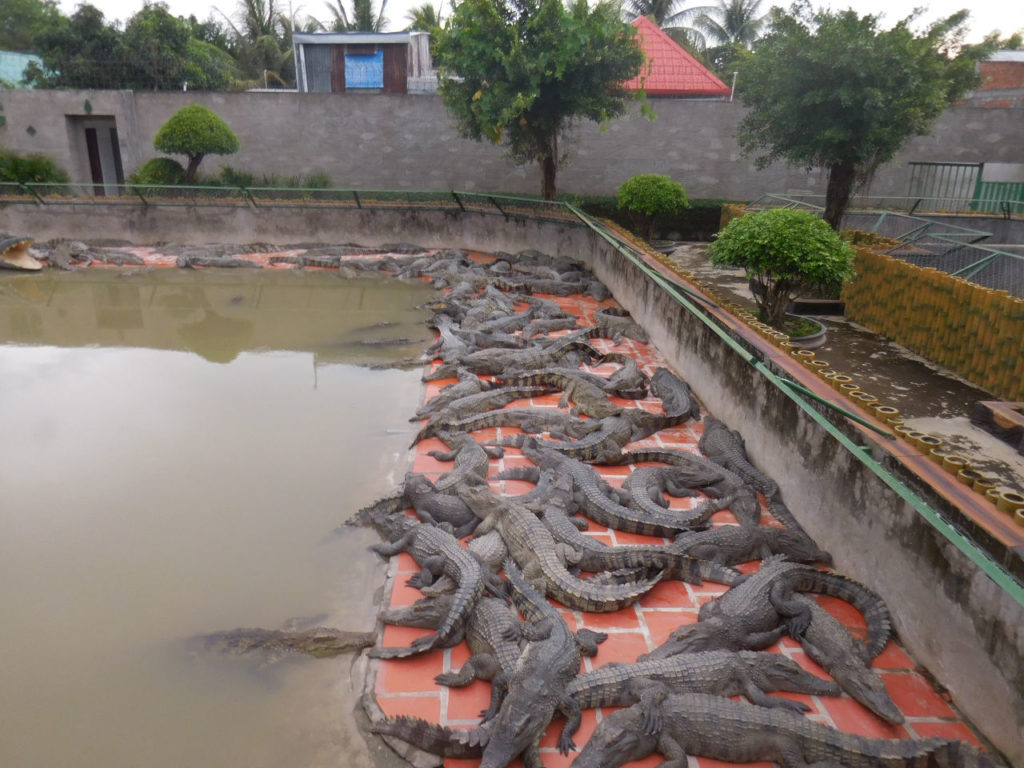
x=177 y=448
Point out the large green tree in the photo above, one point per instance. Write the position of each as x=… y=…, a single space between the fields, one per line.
x=831 y=90
x=522 y=72
x=22 y=20
x=81 y=52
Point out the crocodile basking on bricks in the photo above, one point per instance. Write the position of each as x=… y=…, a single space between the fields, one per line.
x=758 y=611
x=437 y=552
x=531 y=545
x=703 y=725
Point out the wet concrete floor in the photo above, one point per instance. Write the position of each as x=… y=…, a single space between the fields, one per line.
x=177 y=449
x=930 y=398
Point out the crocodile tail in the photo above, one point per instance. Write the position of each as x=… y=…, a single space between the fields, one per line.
x=782 y=513
x=381 y=508
x=871 y=605
x=433 y=738
x=581 y=595
x=509 y=441
x=528 y=474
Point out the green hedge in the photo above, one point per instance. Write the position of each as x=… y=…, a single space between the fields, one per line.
x=698 y=222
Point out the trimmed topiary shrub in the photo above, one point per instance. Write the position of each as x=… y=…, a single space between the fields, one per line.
x=784 y=252
x=649 y=195
x=160 y=171
x=30 y=169
x=195 y=131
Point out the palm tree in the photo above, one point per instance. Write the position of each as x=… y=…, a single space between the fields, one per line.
x=732 y=23
x=425 y=18
x=261 y=42
x=361 y=17
x=660 y=11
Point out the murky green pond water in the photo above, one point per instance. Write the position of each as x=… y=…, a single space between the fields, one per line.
x=177 y=449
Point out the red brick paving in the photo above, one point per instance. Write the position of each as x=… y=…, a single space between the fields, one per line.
x=407 y=685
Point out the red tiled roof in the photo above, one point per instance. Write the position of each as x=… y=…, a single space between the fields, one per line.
x=673 y=71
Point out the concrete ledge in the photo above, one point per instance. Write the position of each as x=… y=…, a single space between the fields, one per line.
x=952 y=617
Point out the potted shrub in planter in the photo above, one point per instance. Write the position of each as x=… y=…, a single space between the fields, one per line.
x=784 y=252
x=646 y=196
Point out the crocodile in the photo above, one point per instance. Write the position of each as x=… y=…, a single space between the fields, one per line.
x=193 y=260
x=730 y=487
x=471 y=405
x=589 y=554
x=752 y=674
x=524 y=701
x=674 y=393
x=318 y=642
x=433 y=506
x=598 y=505
x=449 y=345
x=437 y=552
x=629 y=381
x=472 y=460
x=586 y=393
x=703 y=725
x=546 y=325
x=468 y=384
x=617 y=322
x=645 y=487
x=497 y=361
x=735 y=544
x=483 y=632
x=757 y=612
x=529 y=420
x=725 y=446
x=847 y=660
x=629 y=425
x=14 y=253
x=532 y=546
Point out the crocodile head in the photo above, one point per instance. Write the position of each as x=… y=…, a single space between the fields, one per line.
x=798 y=546
x=618 y=739
x=525 y=713
x=417 y=485
x=864 y=686
x=426 y=613
x=775 y=672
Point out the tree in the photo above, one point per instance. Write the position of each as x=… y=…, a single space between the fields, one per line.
x=361 y=18
x=649 y=195
x=523 y=72
x=22 y=20
x=81 y=52
x=831 y=90
x=195 y=131
x=261 y=42
x=784 y=251
x=156 y=43
x=726 y=23
x=425 y=18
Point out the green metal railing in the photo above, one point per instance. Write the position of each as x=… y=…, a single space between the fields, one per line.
x=796 y=393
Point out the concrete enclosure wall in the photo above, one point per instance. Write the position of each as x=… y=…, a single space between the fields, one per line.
x=409 y=142
x=951 y=616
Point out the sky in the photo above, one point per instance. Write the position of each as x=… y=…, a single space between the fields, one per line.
x=1007 y=16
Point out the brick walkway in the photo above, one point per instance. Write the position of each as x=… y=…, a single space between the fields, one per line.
x=406 y=686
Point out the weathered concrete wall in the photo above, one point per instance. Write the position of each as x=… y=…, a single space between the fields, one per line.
x=949 y=614
x=409 y=142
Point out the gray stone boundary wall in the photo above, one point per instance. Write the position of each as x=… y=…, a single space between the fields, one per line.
x=408 y=142
x=951 y=617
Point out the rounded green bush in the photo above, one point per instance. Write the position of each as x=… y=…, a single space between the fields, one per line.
x=195 y=131
x=784 y=252
x=161 y=171
x=652 y=194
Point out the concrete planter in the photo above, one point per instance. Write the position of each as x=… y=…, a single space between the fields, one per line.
x=811 y=341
